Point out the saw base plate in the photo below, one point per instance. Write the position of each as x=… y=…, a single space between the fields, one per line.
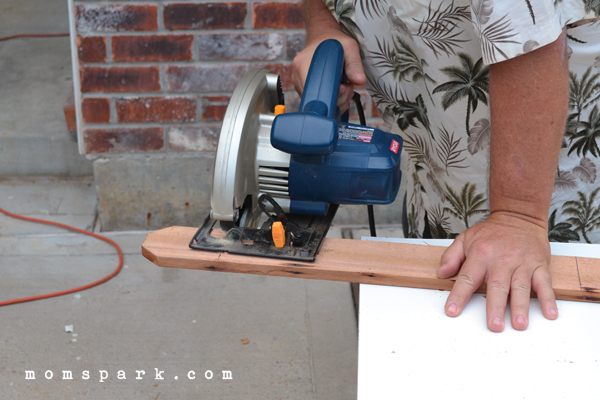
x=302 y=241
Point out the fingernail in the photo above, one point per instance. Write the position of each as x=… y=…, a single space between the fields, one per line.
x=497 y=322
x=520 y=320
x=553 y=312
x=452 y=309
x=342 y=89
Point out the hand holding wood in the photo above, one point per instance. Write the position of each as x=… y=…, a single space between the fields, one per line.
x=511 y=255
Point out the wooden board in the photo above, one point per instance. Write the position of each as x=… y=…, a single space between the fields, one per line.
x=380 y=263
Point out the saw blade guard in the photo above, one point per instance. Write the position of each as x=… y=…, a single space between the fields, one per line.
x=244 y=148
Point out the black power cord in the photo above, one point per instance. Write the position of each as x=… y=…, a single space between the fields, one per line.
x=361 y=117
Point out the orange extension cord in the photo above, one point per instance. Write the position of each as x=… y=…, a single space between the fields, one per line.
x=116 y=271
x=46 y=296
x=43 y=35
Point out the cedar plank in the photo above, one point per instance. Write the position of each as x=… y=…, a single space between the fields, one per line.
x=381 y=263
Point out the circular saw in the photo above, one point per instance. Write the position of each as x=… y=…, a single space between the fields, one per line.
x=279 y=176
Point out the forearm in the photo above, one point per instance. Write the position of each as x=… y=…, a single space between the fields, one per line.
x=317 y=19
x=509 y=251
x=528 y=102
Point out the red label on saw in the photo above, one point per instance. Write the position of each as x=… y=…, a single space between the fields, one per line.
x=395 y=146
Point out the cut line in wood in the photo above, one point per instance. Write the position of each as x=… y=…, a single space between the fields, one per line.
x=361 y=261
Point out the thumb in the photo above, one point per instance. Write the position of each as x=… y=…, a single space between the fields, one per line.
x=353 y=64
x=452 y=259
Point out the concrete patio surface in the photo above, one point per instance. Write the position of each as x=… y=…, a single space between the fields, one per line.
x=280 y=338
x=35 y=80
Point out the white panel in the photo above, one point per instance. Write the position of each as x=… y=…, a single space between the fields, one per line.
x=409 y=349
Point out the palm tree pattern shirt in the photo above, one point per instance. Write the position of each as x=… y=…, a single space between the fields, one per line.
x=427 y=64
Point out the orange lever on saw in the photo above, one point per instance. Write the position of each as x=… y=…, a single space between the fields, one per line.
x=278 y=232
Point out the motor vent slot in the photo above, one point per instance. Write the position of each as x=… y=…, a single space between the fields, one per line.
x=274 y=181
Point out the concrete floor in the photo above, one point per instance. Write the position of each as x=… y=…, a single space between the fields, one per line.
x=36 y=78
x=280 y=338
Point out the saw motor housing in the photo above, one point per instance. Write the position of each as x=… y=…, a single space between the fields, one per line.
x=334 y=162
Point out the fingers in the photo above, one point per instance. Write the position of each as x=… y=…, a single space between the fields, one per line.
x=344 y=97
x=512 y=258
x=300 y=71
x=300 y=68
x=520 y=293
x=452 y=259
x=468 y=280
x=521 y=283
x=498 y=287
x=353 y=64
x=542 y=285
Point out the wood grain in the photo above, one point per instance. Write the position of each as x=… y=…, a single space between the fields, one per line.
x=380 y=263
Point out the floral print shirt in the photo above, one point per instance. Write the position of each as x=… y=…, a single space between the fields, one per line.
x=427 y=65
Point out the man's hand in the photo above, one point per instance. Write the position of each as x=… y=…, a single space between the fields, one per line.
x=320 y=26
x=529 y=97
x=512 y=255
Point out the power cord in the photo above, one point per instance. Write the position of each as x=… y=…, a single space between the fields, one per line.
x=78 y=289
x=37 y=35
x=362 y=119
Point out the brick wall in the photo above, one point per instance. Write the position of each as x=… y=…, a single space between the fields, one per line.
x=156 y=77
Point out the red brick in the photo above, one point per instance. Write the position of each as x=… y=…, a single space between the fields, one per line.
x=277 y=15
x=124 y=140
x=294 y=44
x=247 y=46
x=156 y=109
x=95 y=110
x=374 y=110
x=223 y=78
x=116 y=18
x=91 y=49
x=70 y=113
x=214 y=107
x=205 y=16
x=194 y=138
x=284 y=71
x=152 y=48
x=120 y=79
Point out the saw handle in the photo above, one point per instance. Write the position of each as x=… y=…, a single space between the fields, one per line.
x=322 y=85
x=312 y=132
